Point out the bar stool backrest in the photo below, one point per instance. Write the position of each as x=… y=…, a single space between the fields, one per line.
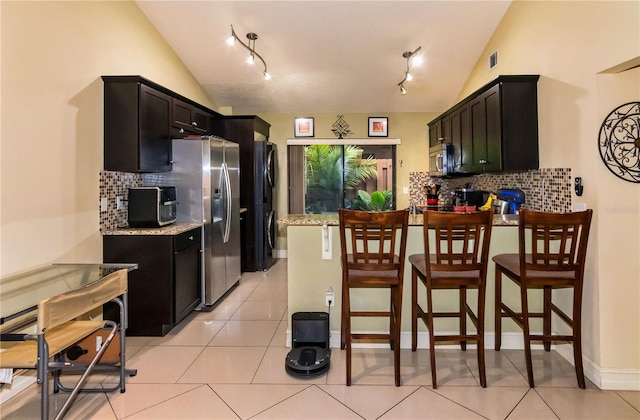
x=553 y=241
x=461 y=241
x=373 y=241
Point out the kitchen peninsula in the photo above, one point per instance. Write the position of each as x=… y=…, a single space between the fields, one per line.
x=313 y=268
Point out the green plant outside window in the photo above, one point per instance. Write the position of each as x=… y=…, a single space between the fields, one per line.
x=333 y=174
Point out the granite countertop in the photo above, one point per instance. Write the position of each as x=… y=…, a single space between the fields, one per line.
x=332 y=220
x=172 y=229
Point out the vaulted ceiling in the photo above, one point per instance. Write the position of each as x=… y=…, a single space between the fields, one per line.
x=329 y=56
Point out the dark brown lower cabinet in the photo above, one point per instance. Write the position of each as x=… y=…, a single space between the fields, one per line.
x=166 y=286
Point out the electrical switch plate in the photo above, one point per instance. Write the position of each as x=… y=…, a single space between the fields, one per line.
x=103 y=204
x=330 y=298
x=327 y=249
x=579 y=206
x=405 y=190
x=119 y=202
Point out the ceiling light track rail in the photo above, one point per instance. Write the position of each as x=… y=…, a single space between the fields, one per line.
x=409 y=56
x=250 y=46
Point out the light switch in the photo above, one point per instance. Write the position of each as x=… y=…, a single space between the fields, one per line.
x=103 y=204
x=405 y=190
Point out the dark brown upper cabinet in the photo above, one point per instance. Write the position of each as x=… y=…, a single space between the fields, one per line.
x=136 y=127
x=495 y=129
x=140 y=120
x=188 y=119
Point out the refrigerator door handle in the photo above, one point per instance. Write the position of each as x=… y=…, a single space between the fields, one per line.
x=270 y=174
x=269 y=227
x=227 y=192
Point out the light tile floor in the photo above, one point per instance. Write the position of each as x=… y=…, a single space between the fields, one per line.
x=229 y=364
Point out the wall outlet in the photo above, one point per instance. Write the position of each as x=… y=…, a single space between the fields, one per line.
x=405 y=190
x=119 y=202
x=104 y=203
x=330 y=298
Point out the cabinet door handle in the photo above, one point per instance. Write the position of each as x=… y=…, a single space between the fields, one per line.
x=191 y=238
x=482 y=161
x=181 y=131
x=195 y=124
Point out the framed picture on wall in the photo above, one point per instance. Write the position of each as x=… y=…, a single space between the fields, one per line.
x=303 y=127
x=378 y=126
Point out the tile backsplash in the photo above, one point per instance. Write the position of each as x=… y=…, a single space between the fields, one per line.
x=546 y=189
x=112 y=186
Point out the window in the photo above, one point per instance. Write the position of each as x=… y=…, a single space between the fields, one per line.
x=324 y=177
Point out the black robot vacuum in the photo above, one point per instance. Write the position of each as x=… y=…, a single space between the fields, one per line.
x=310 y=356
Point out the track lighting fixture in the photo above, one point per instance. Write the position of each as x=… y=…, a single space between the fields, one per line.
x=411 y=57
x=251 y=46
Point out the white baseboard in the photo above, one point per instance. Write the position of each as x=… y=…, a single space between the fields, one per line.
x=606 y=379
x=609 y=379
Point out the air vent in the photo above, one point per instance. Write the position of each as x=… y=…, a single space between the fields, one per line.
x=493 y=60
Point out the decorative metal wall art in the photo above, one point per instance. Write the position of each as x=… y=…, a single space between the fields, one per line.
x=340 y=128
x=619 y=142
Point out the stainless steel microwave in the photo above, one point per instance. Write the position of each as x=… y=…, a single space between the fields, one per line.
x=441 y=160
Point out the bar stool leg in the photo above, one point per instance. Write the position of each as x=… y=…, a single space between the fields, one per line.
x=397 y=291
x=498 y=310
x=546 y=323
x=432 y=341
x=481 y=359
x=345 y=313
x=414 y=309
x=346 y=325
x=463 y=315
x=392 y=307
x=527 y=339
x=577 y=335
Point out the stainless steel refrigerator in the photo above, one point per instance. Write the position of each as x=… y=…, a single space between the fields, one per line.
x=206 y=174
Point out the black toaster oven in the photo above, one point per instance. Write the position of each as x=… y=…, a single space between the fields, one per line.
x=151 y=206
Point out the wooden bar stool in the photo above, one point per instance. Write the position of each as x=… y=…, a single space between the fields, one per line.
x=373 y=248
x=458 y=252
x=552 y=251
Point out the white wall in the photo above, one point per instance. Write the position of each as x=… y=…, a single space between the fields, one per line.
x=617 y=279
x=53 y=54
x=569 y=44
